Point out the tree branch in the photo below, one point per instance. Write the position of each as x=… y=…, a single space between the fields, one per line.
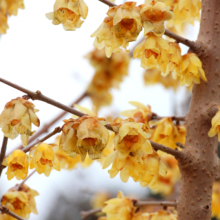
x=86 y=214
x=174 y=118
x=110 y=4
x=5 y=210
x=177 y=154
x=2 y=155
x=39 y=96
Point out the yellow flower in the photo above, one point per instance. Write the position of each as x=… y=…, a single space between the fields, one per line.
x=99 y=199
x=11 y=6
x=3 y=22
x=215 y=129
x=122 y=26
x=152 y=52
x=161 y=215
x=191 y=70
x=216 y=200
x=167 y=133
x=154 y=76
x=153 y=15
x=68 y=13
x=17 y=163
x=82 y=135
x=120 y=208
x=16 y=119
x=141 y=114
x=43 y=158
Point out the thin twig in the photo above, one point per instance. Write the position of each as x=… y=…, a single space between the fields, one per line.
x=5 y=210
x=19 y=186
x=174 y=118
x=86 y=214
x=2 y=155
x=39 y=96
x=177 y=154
x=110 y=4
x=180 y=145
x=45 y=128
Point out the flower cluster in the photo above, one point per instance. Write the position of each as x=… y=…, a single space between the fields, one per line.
x=16 y=119
x=133 y=155
x=20 y=202
x=82 y=135
x=8 y=7
x=122 y=25
x=215 y=129
x=161 y=214
x=68 y=13
x=216 y=200
x=159 y=55
x=109 y=74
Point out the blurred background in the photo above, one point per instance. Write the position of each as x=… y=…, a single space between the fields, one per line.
x=40 y=56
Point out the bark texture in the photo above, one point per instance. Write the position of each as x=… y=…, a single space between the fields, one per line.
x=199 y=166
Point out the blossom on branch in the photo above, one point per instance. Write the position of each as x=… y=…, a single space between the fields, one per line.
x=68 y=13
x=16 y=119
x=122 y=26
x=161 y=215
x=18 y=164
x=43 y=158
x=215 y=129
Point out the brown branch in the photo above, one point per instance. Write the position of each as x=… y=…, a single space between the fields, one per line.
x=110 y=4
x=5 y=210
x=45 y=128
x=39 y=96
x=2 y=155
x=174 y=118
x=19 y=186
x=86 y=214
x=177 y=154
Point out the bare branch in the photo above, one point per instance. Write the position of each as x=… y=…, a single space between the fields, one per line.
x=86 y=214
x=18 y=186
x=110 y=4
x=177 y=154
x=45 y=127
x=39 y=96
x=174 y=118
x=5 y=210
x=2 y=155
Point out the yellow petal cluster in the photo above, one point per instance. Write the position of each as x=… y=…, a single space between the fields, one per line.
x=216 y=200
x=161 y=215
x=153 y=15
x=133 y=155
x=68 y=13
x=16 y=119
x=20 y=202
x=165 y=132
x=18 y=164
x=3 y=22
x=122 y=26
x=215 y=129
x=43 y=158
x=154 y=76
x=191 y=70
x=82 y=135
x=99 y=199
x=109 y=74
x=141 y=114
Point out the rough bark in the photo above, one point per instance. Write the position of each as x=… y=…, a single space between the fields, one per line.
x=199 y=167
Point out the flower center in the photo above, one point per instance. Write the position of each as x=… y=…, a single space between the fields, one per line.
x=16 y=166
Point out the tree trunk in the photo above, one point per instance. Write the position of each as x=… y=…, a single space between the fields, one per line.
x=199 y=166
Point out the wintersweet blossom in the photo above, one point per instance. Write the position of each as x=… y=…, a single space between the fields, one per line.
x=16 y=119
x=215 y=129
x=216 y=200
x=161 y=215
x=17 y=164
x=68 y=13
x=11 y=7
x=3 y=22
x=99 y=199
x=153 y=15
x=43 y=158
x=122 y=26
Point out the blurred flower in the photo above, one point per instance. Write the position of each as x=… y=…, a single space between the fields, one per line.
x=3 y=22
x=161 y=214
x=99 y=199
x=16 y=119
x=122 y=26
x=216 y=200
x=215 y=129
x=69 y=13
x=153 y=15
x=191 y=70
x=11 y=7
x=17 y=163
x=165 y=132
x=43 y=158
x=82 y=135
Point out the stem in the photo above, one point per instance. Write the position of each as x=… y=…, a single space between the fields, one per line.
x=174 y=118
x=45 y=128
x=2 y=155
x=177 y=154
x=86 y=214
x=39 y=96
x=110 y=4
x=5 y=210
